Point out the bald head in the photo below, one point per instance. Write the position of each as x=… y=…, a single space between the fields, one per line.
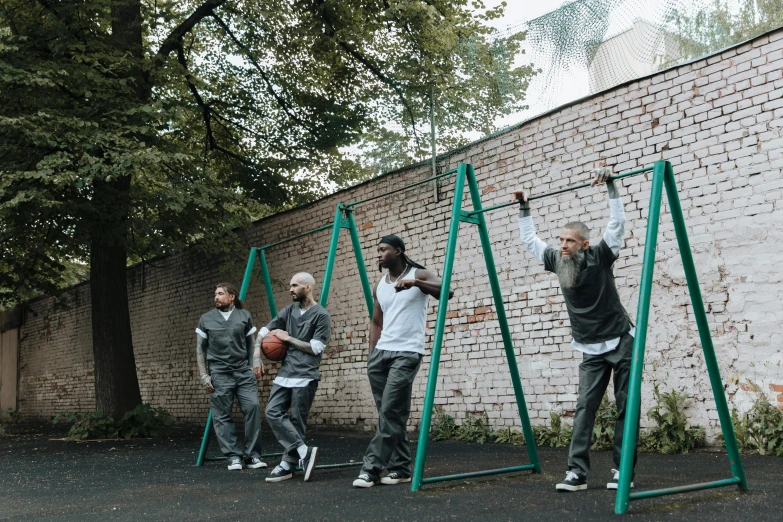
x=302 y=285
x=304 y=278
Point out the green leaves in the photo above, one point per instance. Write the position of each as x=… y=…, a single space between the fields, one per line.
x=671 y=434
x=141 y=422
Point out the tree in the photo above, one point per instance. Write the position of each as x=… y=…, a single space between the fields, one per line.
x=132 y=129
x=701 y=31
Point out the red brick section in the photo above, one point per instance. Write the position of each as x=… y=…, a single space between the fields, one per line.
x=718 y=120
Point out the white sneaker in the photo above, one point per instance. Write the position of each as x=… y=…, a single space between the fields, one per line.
x=395 y=477
x=363 y=481
x=234 y=463
x=612 y=484
x=255 y=463
x=572 y=482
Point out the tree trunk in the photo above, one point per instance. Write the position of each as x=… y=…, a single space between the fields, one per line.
x=116 y=383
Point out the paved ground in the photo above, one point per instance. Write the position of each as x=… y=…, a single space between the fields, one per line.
x=156 y=480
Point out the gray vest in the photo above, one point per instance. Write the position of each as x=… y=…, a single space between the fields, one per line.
x=594 y=307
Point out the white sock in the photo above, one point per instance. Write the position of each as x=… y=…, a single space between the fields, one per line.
x=285 y=465
x=302 y=451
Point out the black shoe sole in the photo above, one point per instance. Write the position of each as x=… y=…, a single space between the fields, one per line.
x=311 y=464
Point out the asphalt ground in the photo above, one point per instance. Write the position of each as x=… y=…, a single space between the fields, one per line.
x=156 y=479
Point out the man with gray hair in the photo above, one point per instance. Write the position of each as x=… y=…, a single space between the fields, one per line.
x=305 y=327
x=600 y=326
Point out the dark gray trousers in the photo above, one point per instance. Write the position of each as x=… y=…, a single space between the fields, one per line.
x=594 y=373
x=287 y=412
x=244 y=387
x=391 y=377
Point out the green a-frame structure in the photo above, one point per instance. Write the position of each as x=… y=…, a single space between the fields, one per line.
x=662 y=175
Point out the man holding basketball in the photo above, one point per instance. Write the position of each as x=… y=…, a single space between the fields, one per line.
x=396 y=348
x=600 y=326
x=305 y=327
x=224 y=342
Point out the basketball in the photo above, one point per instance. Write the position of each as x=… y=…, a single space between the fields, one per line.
x=273 y=348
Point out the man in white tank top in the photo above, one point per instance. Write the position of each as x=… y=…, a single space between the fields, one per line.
x=396 y=349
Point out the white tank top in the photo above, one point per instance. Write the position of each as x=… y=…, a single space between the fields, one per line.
x=404 y=317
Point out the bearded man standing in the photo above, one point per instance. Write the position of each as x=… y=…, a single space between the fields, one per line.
x=600 y=326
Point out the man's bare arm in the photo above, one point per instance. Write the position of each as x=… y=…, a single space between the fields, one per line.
x=201 y=361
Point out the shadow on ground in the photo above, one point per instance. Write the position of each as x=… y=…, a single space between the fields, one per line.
x=157 y=480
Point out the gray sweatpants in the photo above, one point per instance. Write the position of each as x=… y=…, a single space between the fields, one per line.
x=287 y=412
x=391 y=377
x=594 y=373
x=244 y=387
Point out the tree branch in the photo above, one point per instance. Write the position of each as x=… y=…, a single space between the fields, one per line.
x=175 y=38
x=280 y=101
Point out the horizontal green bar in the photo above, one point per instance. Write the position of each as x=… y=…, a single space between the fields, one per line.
x=559 y=191
x=406 y=187
x=684 y=489
x=478 y=474
x=303 y=234
x=343 y=465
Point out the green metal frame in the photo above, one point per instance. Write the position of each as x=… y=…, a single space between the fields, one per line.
x=343 y=219
x=465 y=173
x=663 y=174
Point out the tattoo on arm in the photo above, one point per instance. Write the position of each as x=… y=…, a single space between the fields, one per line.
x=524 y=210
x=201 y=355
x=301 y=345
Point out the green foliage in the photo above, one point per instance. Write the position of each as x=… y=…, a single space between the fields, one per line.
x=12 y=414
x=144 y=421
x=443 y=427
x=760 y=430
x=88 y=426
x=671 y=433
x=556 y=435
x=603 y=430
x=475 y=429
x=141 y=422
x=508 y=436
x=166 y=131
x=702 y=30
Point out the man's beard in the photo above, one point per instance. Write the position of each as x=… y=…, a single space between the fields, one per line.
x=567 y=268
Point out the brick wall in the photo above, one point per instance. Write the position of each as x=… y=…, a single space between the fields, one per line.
x=718 y=120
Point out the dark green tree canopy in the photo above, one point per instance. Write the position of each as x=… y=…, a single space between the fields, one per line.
x=190 y=118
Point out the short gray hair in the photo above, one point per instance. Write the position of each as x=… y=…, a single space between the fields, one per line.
x=584 y=232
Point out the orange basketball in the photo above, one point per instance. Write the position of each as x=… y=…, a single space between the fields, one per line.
x=274 y=349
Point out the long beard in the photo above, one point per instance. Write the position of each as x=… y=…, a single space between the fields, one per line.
x=567 y=269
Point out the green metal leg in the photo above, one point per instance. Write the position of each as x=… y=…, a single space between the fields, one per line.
x=633 y=406
x=357 y=251
x=202 y=452
x=500 y=309
x=332 y=254
x=704 y=331
x=270 y=292
x=440 y=324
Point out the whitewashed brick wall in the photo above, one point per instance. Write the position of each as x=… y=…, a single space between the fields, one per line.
x=718 y=120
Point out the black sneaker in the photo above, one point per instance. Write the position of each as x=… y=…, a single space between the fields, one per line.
x=279 y=473
x=308 y=462
x=572 y=482
x=395 y=477
x=255 y=463
x=612 y=484
x=363 y=481
x=234 y=463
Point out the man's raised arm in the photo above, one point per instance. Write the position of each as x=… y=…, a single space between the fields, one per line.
x=527 y=230
x=615 y=229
